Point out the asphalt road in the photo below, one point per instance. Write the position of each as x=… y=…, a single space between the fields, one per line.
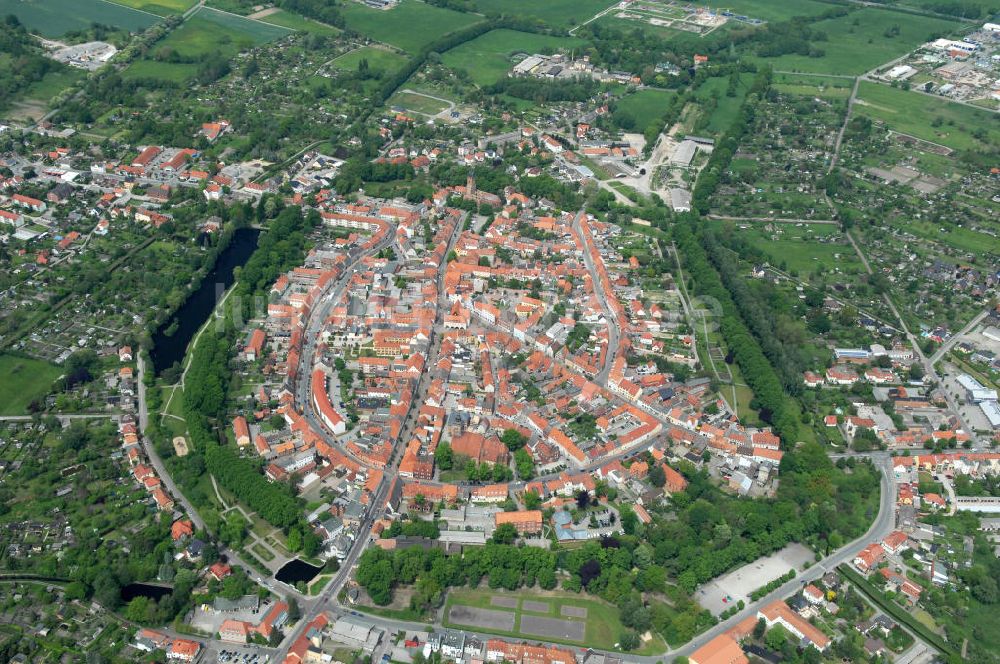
x=327 y=600
x=884 y=524
x=614 y=326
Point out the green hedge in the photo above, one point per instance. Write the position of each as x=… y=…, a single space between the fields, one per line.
x=897 y=612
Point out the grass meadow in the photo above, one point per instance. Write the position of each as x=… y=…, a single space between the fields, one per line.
x=54 y=18
x=409 y=26
x=933 y=119
x=161 y=7
x=862 y=40
x=487 y=58
x=23 y=380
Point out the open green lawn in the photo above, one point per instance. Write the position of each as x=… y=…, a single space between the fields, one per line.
x=557 y=13
x=803 y=249
x=23 y=380
x=645 y=106
x=300 y=23
x=162 y=71
x=417 y=103
x=957 y=237
x=410 y=25
x=959 y=127
x=824 y=87
x=379 y=59
x=862 y=40
x=161 y=7
x=726 y=107
x=487 y=58
x=603 y=625
x=53 y=83
x=54 y=18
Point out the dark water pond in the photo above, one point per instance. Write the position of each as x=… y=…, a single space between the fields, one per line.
x=171 y=341
x=297 y=570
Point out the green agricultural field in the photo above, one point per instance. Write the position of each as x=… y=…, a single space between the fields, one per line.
x=300 y=23
x=54 y=18
x=207 y=32
x=772 y=10
x=410 y=25
x=258 y=31
x=973 y=9
x=862 y=40
x=23 y=380
x=602 y=630
x=487 y=58
x=379 y=59
x=161 y=7
x=930 y=118
x=557 y=13
x=199 y=37
x=417 y=103
x=646 y=106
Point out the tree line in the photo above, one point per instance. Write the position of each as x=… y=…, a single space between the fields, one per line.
x=769 y=396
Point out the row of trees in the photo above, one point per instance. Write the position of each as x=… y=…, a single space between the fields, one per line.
x=617 y=570
x=769 y=397
x=788 y=360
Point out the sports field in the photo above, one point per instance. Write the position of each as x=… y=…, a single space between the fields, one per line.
x=487 y=58
x=161 y=7
x=862 y=40
x=171 y=72
x=54 y=18
x=379 y=59
x=299 y=23
x=417 y=103
x=556 y=616
x=557 y=13
x=23 y=380
x=410 y=25
x=930 y=118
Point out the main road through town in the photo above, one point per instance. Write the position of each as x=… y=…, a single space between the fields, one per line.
x=327 y=600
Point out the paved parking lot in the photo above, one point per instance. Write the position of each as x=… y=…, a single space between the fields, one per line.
x=555 y=628
x=484 y=618
x=235 y=654
x=739 y=583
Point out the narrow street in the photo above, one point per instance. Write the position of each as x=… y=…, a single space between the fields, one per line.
x=327 y=600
